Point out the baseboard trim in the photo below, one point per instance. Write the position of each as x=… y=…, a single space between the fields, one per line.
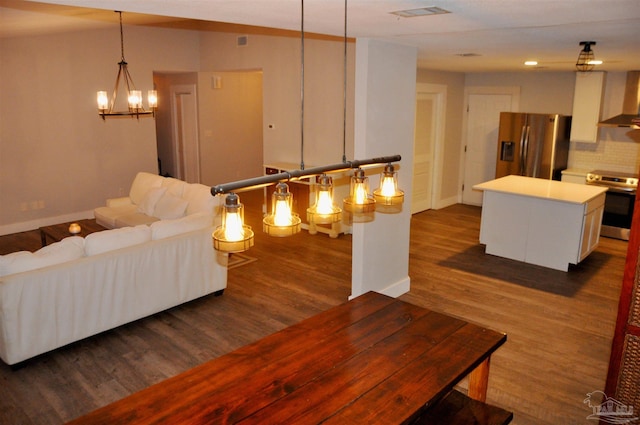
x=394 y=290
x=24 y=226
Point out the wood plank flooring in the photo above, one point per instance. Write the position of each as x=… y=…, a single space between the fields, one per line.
x=559 y=325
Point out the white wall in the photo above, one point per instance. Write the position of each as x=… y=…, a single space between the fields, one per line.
x=385 y=109
x=54 y=148
x=230 y=122
x=279 y=60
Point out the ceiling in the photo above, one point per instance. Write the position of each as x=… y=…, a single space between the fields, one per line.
x=477 y=36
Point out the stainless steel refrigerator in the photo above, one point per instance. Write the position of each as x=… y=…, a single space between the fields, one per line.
x=533 y=145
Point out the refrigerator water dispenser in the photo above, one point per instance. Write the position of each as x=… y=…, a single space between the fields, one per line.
x=507 y=151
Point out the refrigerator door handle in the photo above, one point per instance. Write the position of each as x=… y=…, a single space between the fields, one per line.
x=525 y=153
x=523 y=136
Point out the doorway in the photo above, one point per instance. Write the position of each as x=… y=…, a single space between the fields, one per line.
x=209 y=128
x=481 y=136
x=428 y=141
x=184 y=118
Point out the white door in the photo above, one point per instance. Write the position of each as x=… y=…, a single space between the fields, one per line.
x=424 y=135
x=481 y=149
x=428 y=140
x=184 y=119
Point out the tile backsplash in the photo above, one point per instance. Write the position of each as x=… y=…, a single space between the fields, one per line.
x=617 y=149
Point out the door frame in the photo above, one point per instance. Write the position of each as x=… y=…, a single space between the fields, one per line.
x=514 y=91
x=439 y=116
x=186 y=91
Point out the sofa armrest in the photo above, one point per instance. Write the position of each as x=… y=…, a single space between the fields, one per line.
x=119 y=202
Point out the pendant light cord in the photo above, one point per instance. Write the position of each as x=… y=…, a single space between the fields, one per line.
x=302 y=85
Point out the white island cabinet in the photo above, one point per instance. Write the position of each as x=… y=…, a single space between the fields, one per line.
x=544 y=222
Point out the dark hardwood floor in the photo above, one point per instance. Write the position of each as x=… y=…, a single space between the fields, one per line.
x=559 y=325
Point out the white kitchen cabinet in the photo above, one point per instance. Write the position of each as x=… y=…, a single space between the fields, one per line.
x=574 y=175
x=543 y=222
x=587 y=104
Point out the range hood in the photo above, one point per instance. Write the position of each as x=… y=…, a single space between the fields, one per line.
x=630 y=104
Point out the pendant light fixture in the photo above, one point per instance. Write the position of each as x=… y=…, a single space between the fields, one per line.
x=389 y=198
x=360 y=205
x=586 y=58
x=324 y=211
x=233 y=235
x=107 y=107
x=282 y=221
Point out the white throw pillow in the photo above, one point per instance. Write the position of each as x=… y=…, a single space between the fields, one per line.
x=170 y=207
x=199 y=198
x=150 y=199
x=109 y=240
x=141 y=185
x=167 y=228
x=174 y=186
x=68 y=249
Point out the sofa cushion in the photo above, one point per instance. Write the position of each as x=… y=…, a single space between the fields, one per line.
x=150 y=199
x=170 y=207
x=199 y=198
x=134 y=219
x=109 y=240
x=141 y=185
x=68 y=249
x=107 y=216
x=167 y=228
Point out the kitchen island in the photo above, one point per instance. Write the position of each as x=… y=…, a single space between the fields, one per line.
x=544 y=222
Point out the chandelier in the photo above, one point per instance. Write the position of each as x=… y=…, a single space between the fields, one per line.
x=106 y=106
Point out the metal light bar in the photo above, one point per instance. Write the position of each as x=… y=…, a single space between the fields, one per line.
x=256 y=182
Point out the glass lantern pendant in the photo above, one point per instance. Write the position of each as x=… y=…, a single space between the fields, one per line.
x=282 y=221
x=389 y=198
x=360 y=205
x=324 y=211
x=233 y=235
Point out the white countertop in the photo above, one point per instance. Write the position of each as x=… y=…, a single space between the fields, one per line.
x=540 y=188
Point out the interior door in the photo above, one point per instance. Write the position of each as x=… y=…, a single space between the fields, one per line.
x=424 y=136
x=483 y=120
x=184 y=111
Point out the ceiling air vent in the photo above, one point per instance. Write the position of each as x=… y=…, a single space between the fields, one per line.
x=423 y=11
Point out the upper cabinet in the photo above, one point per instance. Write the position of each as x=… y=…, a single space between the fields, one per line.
x=587 y=106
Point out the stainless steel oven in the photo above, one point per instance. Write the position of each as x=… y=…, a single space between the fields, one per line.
x=619 y=201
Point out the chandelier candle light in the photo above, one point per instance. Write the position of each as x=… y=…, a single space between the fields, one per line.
x=134 y=97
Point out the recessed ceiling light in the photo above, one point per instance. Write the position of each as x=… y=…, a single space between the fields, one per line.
x=423 y=11
x=531 y=63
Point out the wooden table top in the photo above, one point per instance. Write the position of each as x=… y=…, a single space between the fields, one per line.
x=374 y=359
x=57 y=232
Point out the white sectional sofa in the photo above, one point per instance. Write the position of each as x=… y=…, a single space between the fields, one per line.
x=152 y=198
x=79 y=287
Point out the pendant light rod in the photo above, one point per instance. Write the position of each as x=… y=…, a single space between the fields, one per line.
x=302 y=84
x=256 y=182
x=344 y=93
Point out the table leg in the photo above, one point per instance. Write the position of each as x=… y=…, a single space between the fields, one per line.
x=479 y=381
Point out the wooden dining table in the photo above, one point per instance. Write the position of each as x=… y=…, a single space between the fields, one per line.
x=373 y=359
